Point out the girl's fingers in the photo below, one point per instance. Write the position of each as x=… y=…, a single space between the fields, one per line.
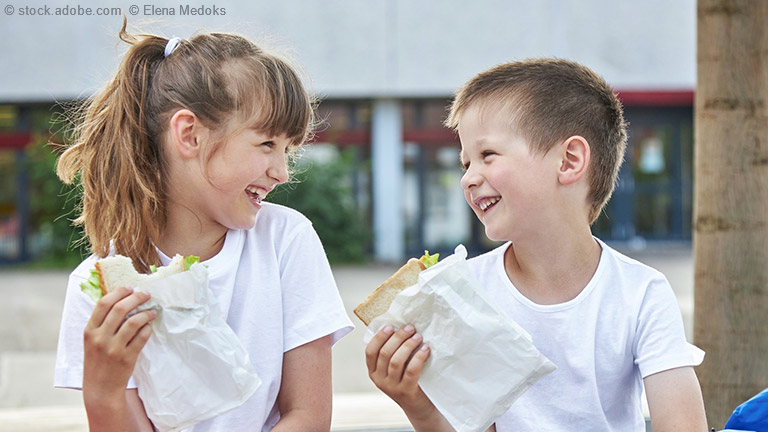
x=140 y=339
x=400 y=358
x=121 y=309
x=104 y=305
x=374 y=346
x=133 y=325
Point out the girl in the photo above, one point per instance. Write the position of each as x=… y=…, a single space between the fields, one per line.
x=175 y=155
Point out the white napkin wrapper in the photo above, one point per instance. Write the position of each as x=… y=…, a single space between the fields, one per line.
x=480 y=360
x=193 y=366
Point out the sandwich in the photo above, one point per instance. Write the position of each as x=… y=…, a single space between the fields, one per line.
x=381 y=298
x=117 y=271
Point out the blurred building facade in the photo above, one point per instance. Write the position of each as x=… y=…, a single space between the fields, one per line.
x=386 y=71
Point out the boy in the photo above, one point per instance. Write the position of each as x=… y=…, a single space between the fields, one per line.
x=541 y=145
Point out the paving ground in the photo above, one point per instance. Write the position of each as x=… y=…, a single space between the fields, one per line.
x=29 y=322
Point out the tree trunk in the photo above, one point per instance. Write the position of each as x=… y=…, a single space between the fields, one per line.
x=731 y=203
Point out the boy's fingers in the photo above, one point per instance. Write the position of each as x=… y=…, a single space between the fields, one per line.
x=374 y=346
x=415 y=365
x=104 y=305
x=388 y=350
x=397 y=363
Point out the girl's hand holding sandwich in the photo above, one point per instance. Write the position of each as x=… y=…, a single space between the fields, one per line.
x=112 y=345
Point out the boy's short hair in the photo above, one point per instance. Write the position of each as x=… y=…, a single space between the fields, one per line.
x=549 y=100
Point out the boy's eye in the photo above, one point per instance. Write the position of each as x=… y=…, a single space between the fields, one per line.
x=465 y=166
x=269 y=144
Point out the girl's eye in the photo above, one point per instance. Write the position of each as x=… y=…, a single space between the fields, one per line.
x=488 y=153
x=465 y=166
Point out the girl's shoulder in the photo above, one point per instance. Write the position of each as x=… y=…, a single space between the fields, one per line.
x=272 y=213
x=83 y=270
x=278 y=221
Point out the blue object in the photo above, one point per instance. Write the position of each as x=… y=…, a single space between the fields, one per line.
x=752 y=415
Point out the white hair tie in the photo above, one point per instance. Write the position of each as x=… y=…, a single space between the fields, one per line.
x=171 y=45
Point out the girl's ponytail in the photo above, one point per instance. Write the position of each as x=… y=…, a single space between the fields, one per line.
x=120 y=164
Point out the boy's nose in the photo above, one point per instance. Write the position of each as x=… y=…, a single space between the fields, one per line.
x=469 y=179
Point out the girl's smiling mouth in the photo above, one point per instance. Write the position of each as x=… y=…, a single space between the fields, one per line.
x=254 y=194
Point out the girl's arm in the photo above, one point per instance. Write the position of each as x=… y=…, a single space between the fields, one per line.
x=305 y=396
x=112 y=344
x=674 y=401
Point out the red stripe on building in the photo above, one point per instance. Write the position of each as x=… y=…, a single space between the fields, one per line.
x=15 y=140
x=678 y=98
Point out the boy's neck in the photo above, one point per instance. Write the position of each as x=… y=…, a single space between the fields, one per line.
x=553 y=269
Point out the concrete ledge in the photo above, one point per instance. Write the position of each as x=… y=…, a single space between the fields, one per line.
x=26 y=380
x=361 y=412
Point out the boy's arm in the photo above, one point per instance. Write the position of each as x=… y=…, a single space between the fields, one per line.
x=387 y=358
x=675 y=401
x=305 y=393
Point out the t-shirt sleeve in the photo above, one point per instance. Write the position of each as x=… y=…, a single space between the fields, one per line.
x=312 y=306
x=660 y=342
x=78 y=308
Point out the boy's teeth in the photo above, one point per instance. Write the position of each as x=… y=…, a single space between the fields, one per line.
x=487 y=203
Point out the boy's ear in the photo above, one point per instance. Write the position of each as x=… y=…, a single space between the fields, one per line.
x=186 y=133
x=575 y=157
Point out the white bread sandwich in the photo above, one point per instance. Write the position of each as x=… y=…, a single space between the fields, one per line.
x=118 y=271
x=381 y=298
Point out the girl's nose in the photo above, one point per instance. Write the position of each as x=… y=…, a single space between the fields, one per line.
x=279 y=169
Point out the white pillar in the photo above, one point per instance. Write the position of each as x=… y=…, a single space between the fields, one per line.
x=387 y=159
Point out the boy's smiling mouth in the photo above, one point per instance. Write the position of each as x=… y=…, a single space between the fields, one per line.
x=486 y=203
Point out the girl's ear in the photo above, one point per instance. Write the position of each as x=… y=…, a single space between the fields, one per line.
x=186 y=133
x=575 y=157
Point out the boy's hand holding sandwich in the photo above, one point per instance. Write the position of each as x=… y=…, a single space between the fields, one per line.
x=394 y=362
x=395 y=358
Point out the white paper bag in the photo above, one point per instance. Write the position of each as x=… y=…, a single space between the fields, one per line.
x=480 y=360
x=193 y=367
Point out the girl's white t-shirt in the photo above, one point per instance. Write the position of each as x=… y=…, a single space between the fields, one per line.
x=624 y=326
x=276 y=287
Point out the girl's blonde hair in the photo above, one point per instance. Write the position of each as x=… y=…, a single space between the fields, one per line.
x=228 y=82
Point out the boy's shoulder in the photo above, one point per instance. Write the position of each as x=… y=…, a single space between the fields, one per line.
x=490 y=259
x=627 y=264
x=611 y=261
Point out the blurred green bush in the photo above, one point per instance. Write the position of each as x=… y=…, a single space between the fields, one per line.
x=52 y=207
x=321 y=191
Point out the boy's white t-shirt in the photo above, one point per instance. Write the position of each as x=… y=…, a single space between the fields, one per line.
x=275 y=285
x=624 y=326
